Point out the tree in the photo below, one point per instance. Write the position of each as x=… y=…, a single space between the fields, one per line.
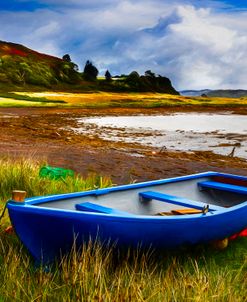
x=90 y=71
x=67 y=58
x=150 y=74
x=108 y=76
x=133 y=80
x=74 y=66
x=22 y=72
x=133 y=76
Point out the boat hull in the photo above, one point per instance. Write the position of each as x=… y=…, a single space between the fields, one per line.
x=48 y=235
x=49 y=226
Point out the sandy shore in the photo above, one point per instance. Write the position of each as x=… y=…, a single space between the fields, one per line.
x=45 y=134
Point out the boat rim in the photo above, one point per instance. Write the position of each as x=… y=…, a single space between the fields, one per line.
x=30 y=203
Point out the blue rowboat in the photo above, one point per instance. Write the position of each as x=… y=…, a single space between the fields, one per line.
x=165 y=213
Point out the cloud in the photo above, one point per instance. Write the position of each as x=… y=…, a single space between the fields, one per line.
x=215 y=43
x=199 y=45
x=210 y=49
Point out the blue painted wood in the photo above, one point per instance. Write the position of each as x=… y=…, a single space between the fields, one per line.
x=223 y=187
x=43 y=199
x=49 y=232
x=97 y=192
x=93 y=207
x=177 y=200
x=101 y=192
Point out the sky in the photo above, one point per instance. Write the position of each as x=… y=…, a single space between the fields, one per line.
x=198 y=44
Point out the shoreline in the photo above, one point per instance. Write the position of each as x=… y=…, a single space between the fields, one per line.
x=41 y=133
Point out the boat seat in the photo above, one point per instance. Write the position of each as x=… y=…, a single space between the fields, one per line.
x=188 y=211
x=222 y=186
x=96 y=208
x=149 y=195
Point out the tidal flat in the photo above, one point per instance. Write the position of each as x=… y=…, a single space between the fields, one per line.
x=189 y=132
x=49 y=134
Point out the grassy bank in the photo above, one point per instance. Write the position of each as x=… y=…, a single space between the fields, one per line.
x=23 y=174
x=99 y=274
x=102 y=100
x=10 y=99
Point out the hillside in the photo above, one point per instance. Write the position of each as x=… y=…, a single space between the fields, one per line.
x=228 y=93
x=194 y=92
x=225 y=93
x=20 y=65
x=23 y=67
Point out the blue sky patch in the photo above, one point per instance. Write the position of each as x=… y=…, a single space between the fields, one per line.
x=196 y=43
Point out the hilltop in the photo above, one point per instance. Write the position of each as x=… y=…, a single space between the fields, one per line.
x=23 y=68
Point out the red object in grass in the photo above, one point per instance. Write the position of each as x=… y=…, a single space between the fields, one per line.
x=243 y=233
x=9 y=230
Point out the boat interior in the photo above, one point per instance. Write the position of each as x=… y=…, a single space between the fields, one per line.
x=179 y=197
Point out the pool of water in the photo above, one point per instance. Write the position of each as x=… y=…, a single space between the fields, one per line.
x=183 y=131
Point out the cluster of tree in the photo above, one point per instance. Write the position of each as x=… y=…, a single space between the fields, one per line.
x=43 y=70
x=149 y=82
x=91 y=72
x=134 y=82
x=24 y=71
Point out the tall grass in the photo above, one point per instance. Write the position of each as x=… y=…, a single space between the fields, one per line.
x=98 y=273
x=23 y=174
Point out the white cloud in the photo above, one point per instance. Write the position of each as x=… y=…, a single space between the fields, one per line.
x=195 y=46
x=217 y=50
x=199 y=49
x=198 y=26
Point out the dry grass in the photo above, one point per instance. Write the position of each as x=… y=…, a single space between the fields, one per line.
x=135 y=100
x=98 y=273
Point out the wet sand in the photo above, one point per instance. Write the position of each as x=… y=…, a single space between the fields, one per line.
x=45 y=134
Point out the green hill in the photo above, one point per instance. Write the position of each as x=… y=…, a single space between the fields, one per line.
x=20 y=65
x=24 y=68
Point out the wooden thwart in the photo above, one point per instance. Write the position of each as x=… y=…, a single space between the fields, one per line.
x=187 y=211
x=180 y=212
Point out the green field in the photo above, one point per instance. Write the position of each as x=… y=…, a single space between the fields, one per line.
x=9 y=99
x=99 y=274
x=104 y=100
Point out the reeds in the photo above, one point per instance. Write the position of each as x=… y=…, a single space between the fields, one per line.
x=102 y=273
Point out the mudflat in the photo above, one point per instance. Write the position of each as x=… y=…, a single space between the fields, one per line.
x=46 y=134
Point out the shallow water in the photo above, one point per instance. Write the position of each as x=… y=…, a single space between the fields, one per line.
x=183 y=131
